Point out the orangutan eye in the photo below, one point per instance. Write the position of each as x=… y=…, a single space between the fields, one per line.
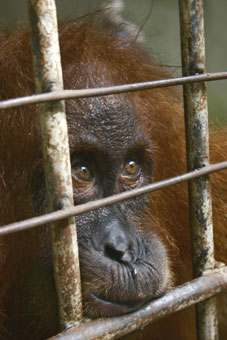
x=82 y=173
x=131 y=169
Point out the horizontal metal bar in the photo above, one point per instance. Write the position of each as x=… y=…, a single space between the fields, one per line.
x=183 y=296
x=104 y=91
x=82 y=208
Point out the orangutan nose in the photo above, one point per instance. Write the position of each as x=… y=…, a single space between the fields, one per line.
x=117 y=243
x=114 y=239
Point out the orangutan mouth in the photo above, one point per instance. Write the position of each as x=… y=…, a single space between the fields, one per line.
x=106 y=307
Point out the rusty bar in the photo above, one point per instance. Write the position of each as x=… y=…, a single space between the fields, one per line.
x=197 y=138
x=82 y=208
x=104 y=91
x=48 y=77
x=183 y=296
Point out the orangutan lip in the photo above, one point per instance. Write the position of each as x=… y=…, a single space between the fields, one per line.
x=111 y=308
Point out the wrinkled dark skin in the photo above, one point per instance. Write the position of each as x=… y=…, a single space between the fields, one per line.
x=132 y=252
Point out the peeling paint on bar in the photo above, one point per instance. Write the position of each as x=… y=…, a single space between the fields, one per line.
x=48 y=78
x=197 y=139
x=183 y=296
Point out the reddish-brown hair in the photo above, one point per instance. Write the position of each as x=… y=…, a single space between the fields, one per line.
x=98 y=58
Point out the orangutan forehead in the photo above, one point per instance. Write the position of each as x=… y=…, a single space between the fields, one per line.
x=99 y=120
x=105 y=114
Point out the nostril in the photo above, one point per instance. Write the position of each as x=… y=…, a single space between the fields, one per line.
x=113 y=253
x=117 y=253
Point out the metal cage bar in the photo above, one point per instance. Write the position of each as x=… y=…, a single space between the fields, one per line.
x=48 y=78
x=45 y=45
x=105 y=91
x=183 y=296
x=197 y=141
x=85 y=207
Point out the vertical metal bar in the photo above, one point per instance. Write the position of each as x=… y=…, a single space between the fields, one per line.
x=56 y=156
x=197 y=139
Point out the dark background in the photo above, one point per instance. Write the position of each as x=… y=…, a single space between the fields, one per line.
x=161 y=31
